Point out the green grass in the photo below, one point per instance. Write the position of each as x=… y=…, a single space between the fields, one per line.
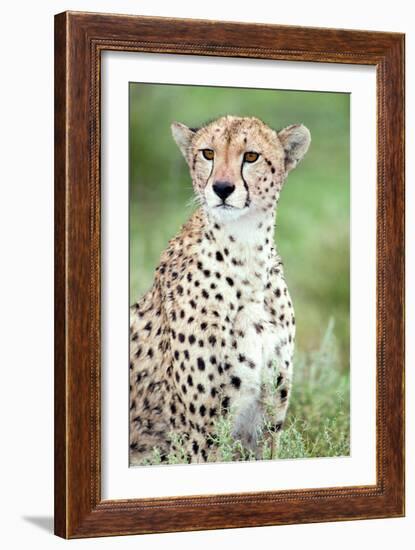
x=312 y=232
x=318 y=420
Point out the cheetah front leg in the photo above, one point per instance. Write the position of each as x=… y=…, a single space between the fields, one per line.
x=247 y=407
x=276 y=385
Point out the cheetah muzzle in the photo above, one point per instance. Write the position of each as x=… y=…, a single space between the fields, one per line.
x=216 y=329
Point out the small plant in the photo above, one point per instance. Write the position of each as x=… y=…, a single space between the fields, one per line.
x=177 y=454
x=155 y=458
x=224 y=447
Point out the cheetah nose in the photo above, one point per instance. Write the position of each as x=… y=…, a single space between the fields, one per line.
x=223 y=189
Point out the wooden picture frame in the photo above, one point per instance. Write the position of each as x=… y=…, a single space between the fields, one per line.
x=79 y=40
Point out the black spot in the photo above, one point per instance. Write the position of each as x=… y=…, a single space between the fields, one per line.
x=205 y=294
x=192 y=339
x=200 y=388
x=181 y=337
x=192 y=408
x=190 y=380
x=206 y=272
x=148 y=326
x=225 y=403
x=212 y=340
x=202 y=410
x=219 y=297
x=258 y=327
x=195 y=447
x=212 y=412
x=200 y=364
x=203 y=326
x=229 y=281
x=276 y=427
x=219 y=257
x=283 y=393
x=236 y=382
x=176 y=355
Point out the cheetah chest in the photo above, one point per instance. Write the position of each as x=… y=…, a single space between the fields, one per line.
x=229 y=327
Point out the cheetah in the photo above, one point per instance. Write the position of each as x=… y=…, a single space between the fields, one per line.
x=206 y=336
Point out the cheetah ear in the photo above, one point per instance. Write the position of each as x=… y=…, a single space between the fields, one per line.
x=296 y=140
x=182 y=135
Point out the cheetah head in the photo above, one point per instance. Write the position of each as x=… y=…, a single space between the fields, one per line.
x=238 y=165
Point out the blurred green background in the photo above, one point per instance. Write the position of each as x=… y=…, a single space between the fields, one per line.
x=313 y=216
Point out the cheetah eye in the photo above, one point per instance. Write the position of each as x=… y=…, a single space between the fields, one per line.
x=208 y=154
x=250 y=156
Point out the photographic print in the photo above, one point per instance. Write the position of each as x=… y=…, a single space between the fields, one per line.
x=220 y=198
x=239 y=274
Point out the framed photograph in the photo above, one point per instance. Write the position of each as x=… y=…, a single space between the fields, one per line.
x=229 y=275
